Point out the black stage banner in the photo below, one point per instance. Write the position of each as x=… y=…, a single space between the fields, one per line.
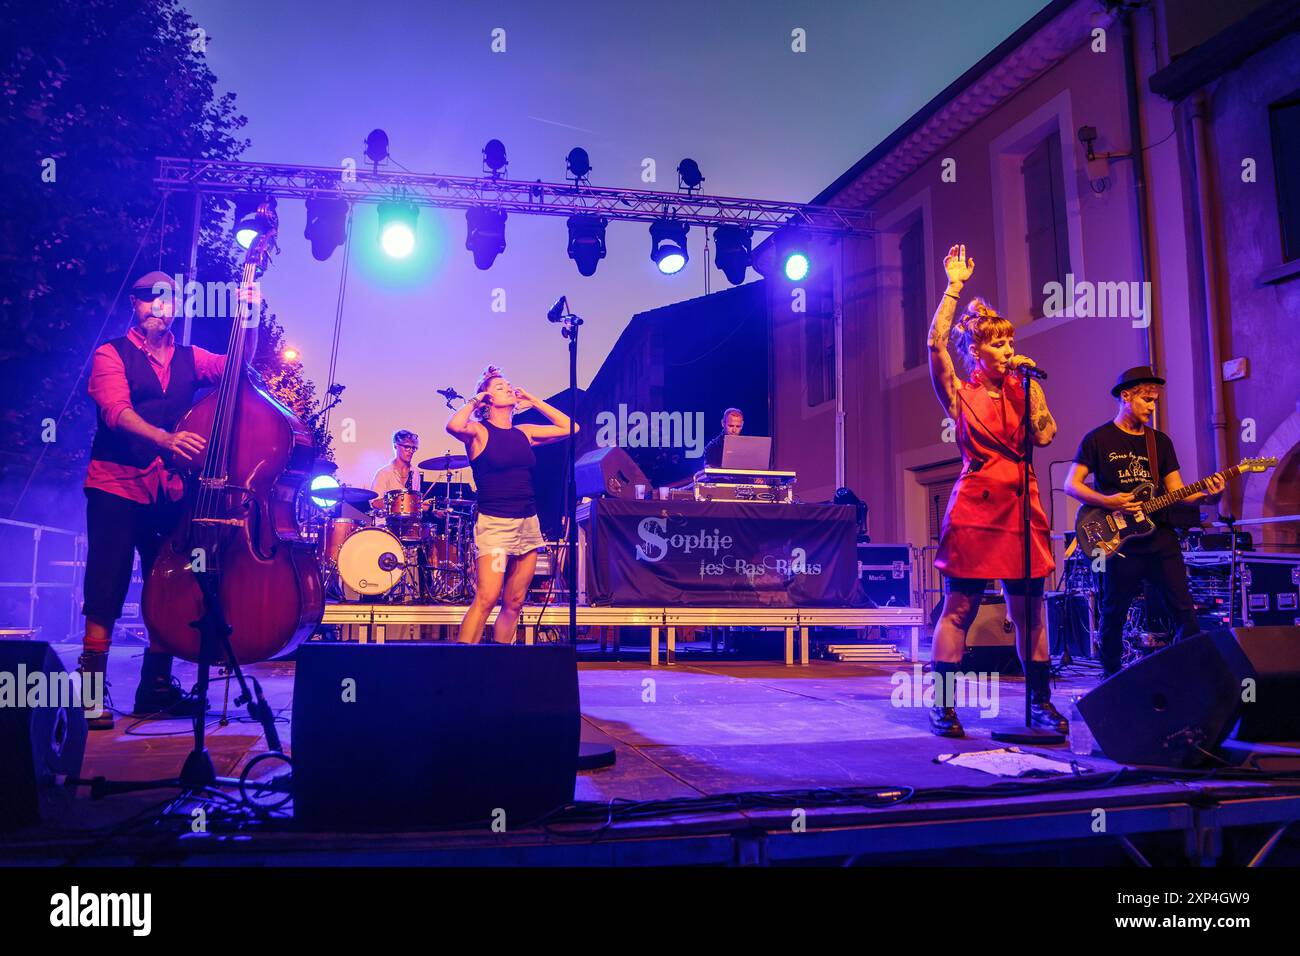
x=720 y=554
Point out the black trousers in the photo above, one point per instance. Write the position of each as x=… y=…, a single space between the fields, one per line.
x=116 y=529
x=1122 y=581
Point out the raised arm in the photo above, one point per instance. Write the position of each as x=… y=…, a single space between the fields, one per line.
x=462 y=425
x=544 y=434
x=942 y=375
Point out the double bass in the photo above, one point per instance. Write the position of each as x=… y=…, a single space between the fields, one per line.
x=237 y=542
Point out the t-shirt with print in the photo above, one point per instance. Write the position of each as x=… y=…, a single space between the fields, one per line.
x=1118 y=463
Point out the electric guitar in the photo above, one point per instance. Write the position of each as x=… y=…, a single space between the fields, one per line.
x=1100 y=529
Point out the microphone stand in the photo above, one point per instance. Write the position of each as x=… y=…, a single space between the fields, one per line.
x=569 y=324
x=591 y=754
x=1028 y=734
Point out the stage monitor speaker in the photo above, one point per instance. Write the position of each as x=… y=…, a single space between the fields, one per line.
x=991 y=639
x=608 y=472
x=1270 y=711
x=40 y=743
x=391 y=737
x=1171 y=709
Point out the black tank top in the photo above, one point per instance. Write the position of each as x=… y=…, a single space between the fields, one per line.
x=503 y=472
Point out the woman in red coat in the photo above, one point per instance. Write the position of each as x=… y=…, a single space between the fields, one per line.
x=982 y=535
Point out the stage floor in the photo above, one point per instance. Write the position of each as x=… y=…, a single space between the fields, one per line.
x=696 y=730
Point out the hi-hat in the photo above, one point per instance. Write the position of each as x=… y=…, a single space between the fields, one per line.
x=444 y=463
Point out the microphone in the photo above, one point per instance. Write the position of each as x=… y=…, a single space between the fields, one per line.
x=557 y=310
x=1033 y=371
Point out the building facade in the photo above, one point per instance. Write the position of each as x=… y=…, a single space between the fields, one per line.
x=1096 y=167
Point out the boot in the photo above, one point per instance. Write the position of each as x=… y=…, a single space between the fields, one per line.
x=944 y=721
x=160 y=694
x=1042 y=712
x=89 y=664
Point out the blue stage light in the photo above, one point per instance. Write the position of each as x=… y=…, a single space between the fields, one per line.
x=323 y=481
x=668 y=245
x=796 y=266
x=397 y=228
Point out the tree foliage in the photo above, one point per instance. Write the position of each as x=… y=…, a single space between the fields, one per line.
x=93 y=91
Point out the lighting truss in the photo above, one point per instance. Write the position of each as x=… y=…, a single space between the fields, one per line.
x=214 y=177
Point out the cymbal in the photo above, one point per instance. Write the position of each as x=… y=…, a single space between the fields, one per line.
x=346 y=493
x=444 y=463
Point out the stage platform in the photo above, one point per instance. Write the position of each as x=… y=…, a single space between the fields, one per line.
x=690 y=741
x=372 y=620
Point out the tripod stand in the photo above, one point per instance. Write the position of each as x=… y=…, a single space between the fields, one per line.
x=197 y=773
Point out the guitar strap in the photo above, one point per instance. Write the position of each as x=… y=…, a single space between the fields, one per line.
x=1151 y=460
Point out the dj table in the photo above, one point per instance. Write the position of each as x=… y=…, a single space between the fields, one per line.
x=718 y=554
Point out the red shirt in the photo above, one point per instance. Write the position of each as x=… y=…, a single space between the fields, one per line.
x=111 y=392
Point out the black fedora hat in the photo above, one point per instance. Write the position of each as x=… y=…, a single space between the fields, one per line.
x=1137 y=375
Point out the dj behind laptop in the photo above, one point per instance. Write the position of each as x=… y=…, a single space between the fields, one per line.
x=745 y=474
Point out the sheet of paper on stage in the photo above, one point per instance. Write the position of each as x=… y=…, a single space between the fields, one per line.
x=1007 y=762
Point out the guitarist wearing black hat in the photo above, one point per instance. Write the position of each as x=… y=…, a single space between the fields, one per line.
x=1119 y=456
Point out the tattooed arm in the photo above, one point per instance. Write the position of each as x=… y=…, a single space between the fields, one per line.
x=942 y=375
x=1044 y=423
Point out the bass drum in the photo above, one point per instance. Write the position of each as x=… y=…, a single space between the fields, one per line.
x=337 y=532
x=371 y=561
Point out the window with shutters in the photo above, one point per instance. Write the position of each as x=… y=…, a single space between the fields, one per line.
x=1284 y=129
x=911 y=258
x=936 y=502
x=1046 y=235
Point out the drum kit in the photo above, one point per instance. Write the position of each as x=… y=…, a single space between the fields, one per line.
x=411 y=549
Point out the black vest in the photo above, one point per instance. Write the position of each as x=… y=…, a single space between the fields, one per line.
x=149 y=401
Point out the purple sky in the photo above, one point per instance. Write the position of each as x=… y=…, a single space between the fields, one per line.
x=716 y=81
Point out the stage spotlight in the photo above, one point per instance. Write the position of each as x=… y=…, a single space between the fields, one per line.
x=668 y=245
x=792 y=254
x=732 y=251
x=250 y=221
x=688 y=175
x=485 y=234
x=397 y=228
x=587 y=242
x=377 y=146
x=327 y=226
x=319 y=483
x=578 y=163
x=796 y=266
x=494 y=157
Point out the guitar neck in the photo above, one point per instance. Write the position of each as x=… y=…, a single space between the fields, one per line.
x=1173 y=497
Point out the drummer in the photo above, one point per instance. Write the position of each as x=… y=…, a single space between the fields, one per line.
x=398 y=475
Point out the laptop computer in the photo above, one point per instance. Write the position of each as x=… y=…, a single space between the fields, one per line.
x=746 y=452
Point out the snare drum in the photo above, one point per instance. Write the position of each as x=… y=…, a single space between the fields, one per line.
x=371 y=561
x=402 y=504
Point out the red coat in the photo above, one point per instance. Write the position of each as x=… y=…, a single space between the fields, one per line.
x=981 y=535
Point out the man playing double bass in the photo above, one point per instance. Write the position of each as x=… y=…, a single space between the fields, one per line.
x=142 y=383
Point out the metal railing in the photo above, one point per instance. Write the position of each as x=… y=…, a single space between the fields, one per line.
x=34 y=585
